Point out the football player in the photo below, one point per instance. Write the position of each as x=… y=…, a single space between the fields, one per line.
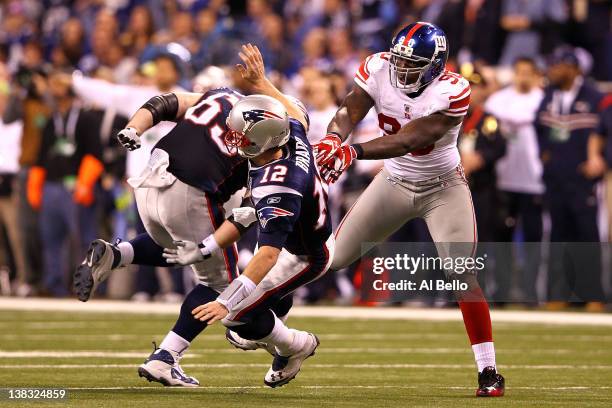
x=420 y=108
x=295 y=243
x=180 y=196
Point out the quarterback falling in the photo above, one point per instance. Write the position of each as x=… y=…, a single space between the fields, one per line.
x=420 y=109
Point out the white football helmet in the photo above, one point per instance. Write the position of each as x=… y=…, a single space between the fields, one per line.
x=255 y=124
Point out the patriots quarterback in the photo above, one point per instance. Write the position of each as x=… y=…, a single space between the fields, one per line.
x=420 y=107
x=295 y=243
x=180 y=195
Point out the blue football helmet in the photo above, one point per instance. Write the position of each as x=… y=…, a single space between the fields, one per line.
x=418 y=55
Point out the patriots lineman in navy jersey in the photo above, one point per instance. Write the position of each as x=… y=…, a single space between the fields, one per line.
x=180 y=194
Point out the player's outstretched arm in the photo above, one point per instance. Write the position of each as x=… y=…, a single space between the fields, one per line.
x=253 y=71
x=353 y=109
x=189 y=252
x=166 y=107
x=256 y=270
x=415 y=135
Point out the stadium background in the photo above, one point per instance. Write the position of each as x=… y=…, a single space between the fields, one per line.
x=112 y=55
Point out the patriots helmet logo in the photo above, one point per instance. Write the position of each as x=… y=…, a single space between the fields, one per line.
x=268 y=213
x=257 y=115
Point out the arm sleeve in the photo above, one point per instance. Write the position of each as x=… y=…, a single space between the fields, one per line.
x=125 y=99
x=364 y=77
x=277 y=215
x=459 y=100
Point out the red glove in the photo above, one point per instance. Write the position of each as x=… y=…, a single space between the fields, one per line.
x=325 y=148
x=342 y=159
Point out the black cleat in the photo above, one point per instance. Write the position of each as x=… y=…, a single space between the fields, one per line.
x=95 y=269
x=490 y=383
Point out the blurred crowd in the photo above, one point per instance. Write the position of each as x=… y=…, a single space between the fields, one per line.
x=535 y=145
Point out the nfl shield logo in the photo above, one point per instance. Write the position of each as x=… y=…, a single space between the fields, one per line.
x=407 y=111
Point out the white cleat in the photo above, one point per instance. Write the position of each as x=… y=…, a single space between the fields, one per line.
x=163 y=367
x=95 y=269
x=243 y=344
x=284 y=369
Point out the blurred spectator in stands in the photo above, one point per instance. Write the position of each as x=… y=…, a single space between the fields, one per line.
x=209 y=35
x=72 y=41
x=62 y=183
x=139 y=30
x=604 y=132
x=341 y=52
x=181 y=31
x=533 y=27
x=26 y=104
x=590 y=28
x=375 y=20
x=318 y=95
x=314 y=50
x=519 y=173
x=104 y=33
x=11 y=252
x=473 y=30
x=274 y=48
x=481 y=145
x=565 y=120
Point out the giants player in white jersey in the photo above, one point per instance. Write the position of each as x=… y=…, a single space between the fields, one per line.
x=420 y=109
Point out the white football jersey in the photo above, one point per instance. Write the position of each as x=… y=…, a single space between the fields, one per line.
x=448 y=94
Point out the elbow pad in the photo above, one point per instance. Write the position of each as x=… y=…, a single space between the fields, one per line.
x=162 y=107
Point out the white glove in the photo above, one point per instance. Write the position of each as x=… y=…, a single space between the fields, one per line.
x=129 y=138
x=189 y=252
x=244 y=215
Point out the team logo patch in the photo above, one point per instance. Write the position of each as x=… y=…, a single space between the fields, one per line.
x=257 y=115
x=268 y=213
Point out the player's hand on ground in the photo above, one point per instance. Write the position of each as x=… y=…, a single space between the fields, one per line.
x=129 y=138
x=185 y=253
x=342 y=159
x=210 y=312
x=253 y=70
x=325 y=148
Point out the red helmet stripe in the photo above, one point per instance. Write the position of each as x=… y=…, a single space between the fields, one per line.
x=412 y=31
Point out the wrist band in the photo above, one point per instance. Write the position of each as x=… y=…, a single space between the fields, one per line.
x=208 y=245
x=358 y=150
x=335 y=134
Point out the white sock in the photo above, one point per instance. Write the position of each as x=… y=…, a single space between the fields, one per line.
x=175 y=343
x=127 y=253
x=484 y=353
x=287 y=341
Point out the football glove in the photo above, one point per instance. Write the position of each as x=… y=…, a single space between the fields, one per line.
x=129 y=138
x=342 y=159
x=189 y=252
x=244 y=215
x=325 y=148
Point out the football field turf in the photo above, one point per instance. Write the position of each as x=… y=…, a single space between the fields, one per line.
x=360 y=363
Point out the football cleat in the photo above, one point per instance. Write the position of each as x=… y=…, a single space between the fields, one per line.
x=163 y=367
x=243 y=344
x=95 y=269
x=490 y=383
x=284 y=369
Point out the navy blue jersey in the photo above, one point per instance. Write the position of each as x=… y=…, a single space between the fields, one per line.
x=290 y=199
x=198 y=155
